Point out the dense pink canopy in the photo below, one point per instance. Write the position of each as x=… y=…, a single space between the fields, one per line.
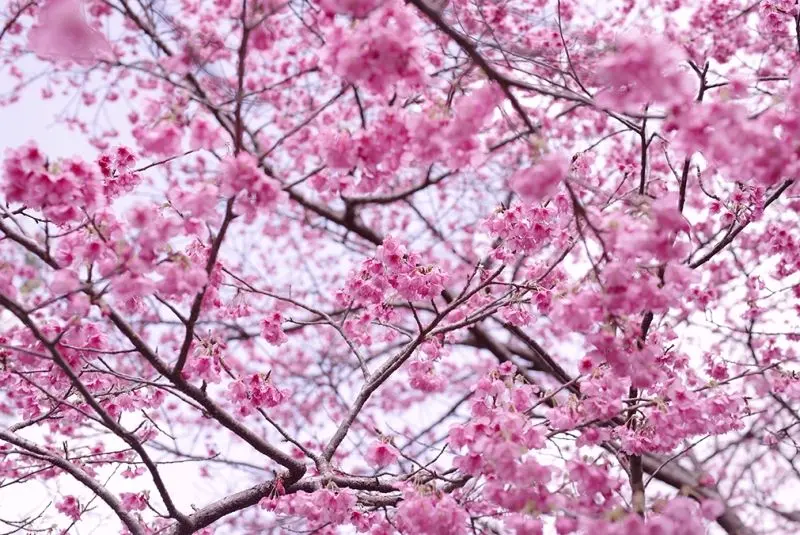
x=418 y=267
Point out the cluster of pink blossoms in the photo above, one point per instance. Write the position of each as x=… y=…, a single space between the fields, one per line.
x=379 y=52
x=133 y=261
x=678 y=516
x=358 y=9
x=458 y=141
x=644 y=71
x=525 y=228
x=775 y=16
x=431 y=513
x=424 y=377
x=205 y=361
x=536 y=183
x=70 y=507
x=380 y=453
x=420 y=511
x=322 y=507
x=62 y=190
x=241 y=175
x=271 y=329
x=642 y=272
x=495 y=440
x=377 y=150
x=181 y=278
x=134 y=501
x=203 y=135
x=254 y=392
x=761 y=150
x=62 y=31
x=393 y=271
x=387 y=144
x=787 y=247
x=163 y=140
x=79 y=342
x=496 y=444
x=117 y=170
x=685 y=414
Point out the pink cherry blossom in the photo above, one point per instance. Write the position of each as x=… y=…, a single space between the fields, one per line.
x=355 y=8
x=381 y=454
x=541 y=181
x=271 y=329
x=255 y=392
x=61 y=31
x=69 y=506
x=643 y=71
x=382 y=51
x=430 y=514
x=134 y=501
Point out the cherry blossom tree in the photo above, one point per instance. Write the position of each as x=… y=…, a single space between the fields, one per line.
x=418 y=267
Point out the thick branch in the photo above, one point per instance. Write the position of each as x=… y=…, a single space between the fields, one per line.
x=75 y=471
